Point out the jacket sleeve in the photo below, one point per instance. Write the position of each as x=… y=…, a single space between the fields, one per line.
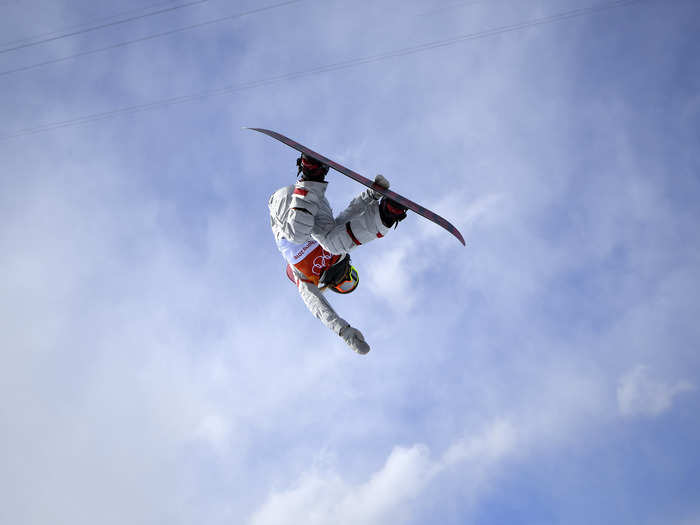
x=320 y=307
x=357 y=206
x=358 y=224
x=293 y=211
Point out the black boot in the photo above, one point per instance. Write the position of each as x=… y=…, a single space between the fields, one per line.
x=391 y=212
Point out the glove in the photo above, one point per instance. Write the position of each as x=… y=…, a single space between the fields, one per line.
x=379 y=180
x=354 y=339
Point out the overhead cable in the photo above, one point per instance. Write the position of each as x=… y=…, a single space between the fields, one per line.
x=319 y=69
x=101 y=26
x=149 y=37
x=83 y=25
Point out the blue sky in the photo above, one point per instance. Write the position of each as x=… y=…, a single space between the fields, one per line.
x=158 y=367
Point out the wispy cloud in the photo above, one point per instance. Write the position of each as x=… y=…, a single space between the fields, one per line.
x=641 y=393
x=324 y=497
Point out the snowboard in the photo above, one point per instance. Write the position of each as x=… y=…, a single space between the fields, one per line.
x=417 y=208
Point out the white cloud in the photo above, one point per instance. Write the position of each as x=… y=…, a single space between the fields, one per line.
x=390 y=274
x=640 y=393
x=387 y=495
x=497 y=440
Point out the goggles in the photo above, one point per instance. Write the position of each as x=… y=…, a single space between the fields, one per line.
x=349 y=282
x=342 y=277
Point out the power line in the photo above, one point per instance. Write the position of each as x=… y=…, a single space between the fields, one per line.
x=83 y=25
x=101 y=26
x=566 y=15
x=148 y=37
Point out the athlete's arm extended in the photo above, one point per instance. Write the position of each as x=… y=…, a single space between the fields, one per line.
x=360 y=203
x=356 y=207
x=320 y=307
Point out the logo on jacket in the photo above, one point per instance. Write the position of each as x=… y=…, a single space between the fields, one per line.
x=320 y=262
x=300 y=254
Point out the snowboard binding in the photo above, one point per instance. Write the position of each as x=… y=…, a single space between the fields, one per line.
x=391 y=212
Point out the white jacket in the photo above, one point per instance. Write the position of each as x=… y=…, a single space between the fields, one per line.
x=301 y=216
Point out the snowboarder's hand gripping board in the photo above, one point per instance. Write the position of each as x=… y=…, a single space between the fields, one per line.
x=378 y=185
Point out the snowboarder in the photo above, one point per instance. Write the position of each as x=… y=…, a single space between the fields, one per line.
x=316 y=245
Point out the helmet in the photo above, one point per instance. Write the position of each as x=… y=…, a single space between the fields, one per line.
x=311 y=168
x=342 y=277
